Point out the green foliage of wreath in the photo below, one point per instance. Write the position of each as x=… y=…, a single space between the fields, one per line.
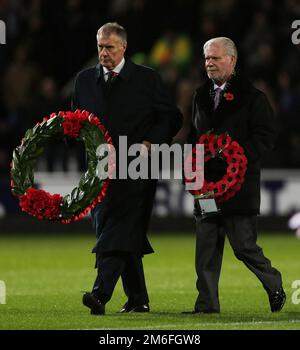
x=92 y=185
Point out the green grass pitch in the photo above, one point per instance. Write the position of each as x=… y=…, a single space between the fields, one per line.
x=45 y=274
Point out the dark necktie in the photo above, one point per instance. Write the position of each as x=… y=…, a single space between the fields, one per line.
x=217 y=98
x=111 y=76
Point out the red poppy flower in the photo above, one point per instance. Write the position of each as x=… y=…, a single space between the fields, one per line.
x=223 y=140
x=205 y=138
x=222 y=187
x=213 y=147
x=231 y=150
x=229 y=180
x=41 y=204
x=229 y=96
x=223 y=147
x=232 y=169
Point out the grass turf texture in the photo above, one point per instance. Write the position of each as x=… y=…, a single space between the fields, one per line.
x=45 y=275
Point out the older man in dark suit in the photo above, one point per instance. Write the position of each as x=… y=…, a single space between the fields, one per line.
x=132 y=102
x=248 y=118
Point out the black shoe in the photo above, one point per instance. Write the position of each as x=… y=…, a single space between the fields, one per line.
x=89 y=300
x=194 y=312
x=136 y=308
x=277 y=300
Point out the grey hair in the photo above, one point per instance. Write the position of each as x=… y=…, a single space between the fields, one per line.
x=113 y=28
x=229 y=45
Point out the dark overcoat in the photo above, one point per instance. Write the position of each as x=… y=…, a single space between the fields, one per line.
x=248 y=118
x=135 y=105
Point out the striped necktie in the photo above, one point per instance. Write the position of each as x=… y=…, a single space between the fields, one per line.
x=217 y=98
x=111 y=75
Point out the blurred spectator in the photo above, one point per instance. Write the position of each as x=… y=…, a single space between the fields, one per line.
x=74 y=37
x=48 y=101
x=260 y=32
x=288 y=108
x=19 y=87
x=171 y=49
x=55 y=38
x=8 y=139
x=262 y=65
x=185 y=91
x=172 y=55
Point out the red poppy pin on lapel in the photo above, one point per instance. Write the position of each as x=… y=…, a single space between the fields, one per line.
x=229 y=96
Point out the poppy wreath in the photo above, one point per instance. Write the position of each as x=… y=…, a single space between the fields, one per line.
x=92 y=186
x=221 y=146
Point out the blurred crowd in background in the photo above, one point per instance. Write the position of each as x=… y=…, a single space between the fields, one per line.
x=48 y=42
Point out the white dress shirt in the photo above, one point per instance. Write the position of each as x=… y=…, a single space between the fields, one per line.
x=117 y=69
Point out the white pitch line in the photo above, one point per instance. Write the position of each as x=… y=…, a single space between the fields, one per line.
x=203 y=324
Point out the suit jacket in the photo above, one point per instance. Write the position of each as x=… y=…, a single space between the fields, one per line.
x=249 y=120
x=135 y=105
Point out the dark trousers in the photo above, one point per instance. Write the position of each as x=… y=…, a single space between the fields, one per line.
x=242 y=235
x=128 y=266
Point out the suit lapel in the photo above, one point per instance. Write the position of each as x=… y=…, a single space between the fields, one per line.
x=101 y=95
x=204 y=102
x=230 y=101
x=104 y=91
x=99 y=92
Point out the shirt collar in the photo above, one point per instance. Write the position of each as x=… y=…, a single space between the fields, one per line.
x=222 y=87
x=117 y=69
